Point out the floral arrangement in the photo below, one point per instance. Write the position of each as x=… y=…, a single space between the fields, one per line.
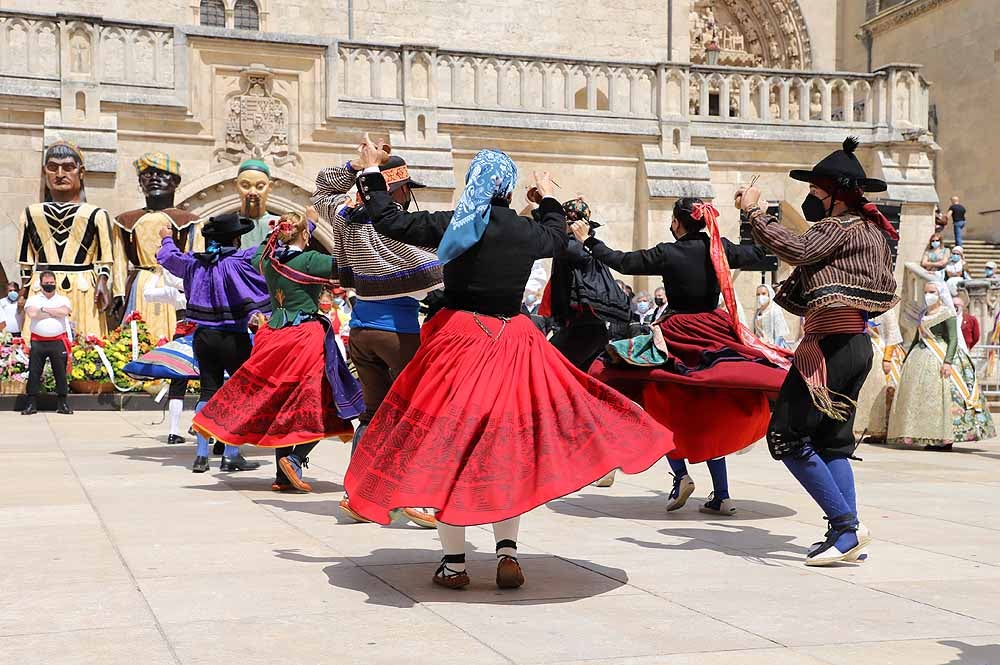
x=117 y=348
x=87 y=365
x=13 y=359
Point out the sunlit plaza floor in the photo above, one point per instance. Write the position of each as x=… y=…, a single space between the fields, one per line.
x=113 y=552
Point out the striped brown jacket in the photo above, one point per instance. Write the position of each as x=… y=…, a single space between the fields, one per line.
x=839 y=261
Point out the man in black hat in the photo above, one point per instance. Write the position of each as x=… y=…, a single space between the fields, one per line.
x=390 y=279
x=582 y=297
x=842 y=277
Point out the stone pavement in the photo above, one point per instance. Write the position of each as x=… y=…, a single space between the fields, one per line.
x=113 y=552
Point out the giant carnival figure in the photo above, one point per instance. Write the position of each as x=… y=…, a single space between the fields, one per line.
x=71 y=238
x=137 y=239
x=253 y=182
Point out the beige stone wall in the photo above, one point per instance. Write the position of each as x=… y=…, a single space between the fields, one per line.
x=956 y=43
x=20 y=173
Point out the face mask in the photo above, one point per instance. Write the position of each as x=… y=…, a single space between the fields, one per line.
x=530 y=299
x=955 y=258
x=48 y=288
x=642 y=307
x=935 y=244
x=989 y=272
x=763 y=300
x=12 y=296
x=931 y=299
x=339 y=302
x=660 y=302
x=325 y=306
x=813 y=208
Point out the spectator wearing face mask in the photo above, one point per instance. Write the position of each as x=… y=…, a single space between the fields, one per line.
x=12 y=310
x=935 y=257
x=769 y=322
x=990 y=271
x=643 y=311
x=49 y=314
x=955 y=272
x=660 y=305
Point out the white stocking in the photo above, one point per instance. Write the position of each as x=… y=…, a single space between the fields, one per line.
x=452 y=542
x=507 y=530
x=176 y=407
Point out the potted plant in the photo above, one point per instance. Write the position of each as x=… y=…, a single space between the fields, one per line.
x=13 y=365
x=88 y=375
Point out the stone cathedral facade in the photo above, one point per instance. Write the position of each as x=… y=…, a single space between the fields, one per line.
x=630 y=104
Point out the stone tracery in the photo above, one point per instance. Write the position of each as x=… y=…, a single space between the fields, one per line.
x=751 y=33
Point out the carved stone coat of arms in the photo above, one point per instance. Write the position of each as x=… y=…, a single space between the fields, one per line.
x=256 y=121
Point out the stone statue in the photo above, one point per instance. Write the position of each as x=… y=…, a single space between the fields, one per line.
x=773 y=107
x=137 y=239
x=253 y=182
x=71 y=238
x=816 y=105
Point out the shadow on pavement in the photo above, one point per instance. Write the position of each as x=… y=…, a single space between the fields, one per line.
x=654 y=508
x=183 y=455
x=752 y=542
x=988 y=654
x=600 y=579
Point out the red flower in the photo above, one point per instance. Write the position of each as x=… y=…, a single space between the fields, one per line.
x=134 y=316
x=94 y=340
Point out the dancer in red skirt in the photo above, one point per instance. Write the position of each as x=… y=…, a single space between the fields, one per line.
x=488 y=420
x=295 y=389
x=707 y=378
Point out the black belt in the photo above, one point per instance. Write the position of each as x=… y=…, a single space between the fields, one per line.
x=55 y=267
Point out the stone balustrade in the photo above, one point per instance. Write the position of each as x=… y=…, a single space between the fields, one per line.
x=109 y=52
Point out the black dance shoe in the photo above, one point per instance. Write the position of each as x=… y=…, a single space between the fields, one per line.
x=174 y=439
x=238 y=463
x=30 y=408
x=200 y=465
x=63 y=408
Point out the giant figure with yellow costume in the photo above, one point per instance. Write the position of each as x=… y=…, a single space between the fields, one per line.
x=71 y=238
x=253 y=182
x=137 y=239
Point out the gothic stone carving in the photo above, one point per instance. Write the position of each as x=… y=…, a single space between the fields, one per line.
x=751 y=33
x=257 y=121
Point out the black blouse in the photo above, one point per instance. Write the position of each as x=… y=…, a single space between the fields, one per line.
x=490 y=276
x=685 y=265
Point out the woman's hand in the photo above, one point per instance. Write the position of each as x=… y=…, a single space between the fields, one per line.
x=165 y=232
x=543 y=184
x=580 y=229
x=945 y=370
x=370 y=155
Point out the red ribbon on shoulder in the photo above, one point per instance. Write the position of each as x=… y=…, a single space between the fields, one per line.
x=706 y=212
x=871 y=212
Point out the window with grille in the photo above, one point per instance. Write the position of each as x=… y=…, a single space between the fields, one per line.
x=246 y=15
x=212 y=12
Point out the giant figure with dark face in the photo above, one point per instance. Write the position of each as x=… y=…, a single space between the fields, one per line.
x=137 y=239
x=70 y=238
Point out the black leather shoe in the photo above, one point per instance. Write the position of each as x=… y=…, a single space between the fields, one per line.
x=30 y=408
x=63 y=408
x=238 y=463
x=174 y=439
x=218 y=448
x=200 y=465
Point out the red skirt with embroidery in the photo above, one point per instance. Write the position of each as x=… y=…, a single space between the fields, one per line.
x=279 y=397
x=714 y=392
x=486 y=428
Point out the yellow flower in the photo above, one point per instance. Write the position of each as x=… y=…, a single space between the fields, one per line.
x=77 y=373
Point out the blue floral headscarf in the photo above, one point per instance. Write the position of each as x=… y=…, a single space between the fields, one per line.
x=492 y=174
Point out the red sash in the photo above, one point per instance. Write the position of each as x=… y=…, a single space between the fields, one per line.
x=64 y=338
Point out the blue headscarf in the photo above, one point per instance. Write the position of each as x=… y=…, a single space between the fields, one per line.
x=492 y=174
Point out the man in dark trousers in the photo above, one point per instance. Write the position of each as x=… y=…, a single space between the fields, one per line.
x=956 y=215
x=582 y=297
x=48 y=312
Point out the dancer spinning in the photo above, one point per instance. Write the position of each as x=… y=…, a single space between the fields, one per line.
x=223 y=290
x=278 y=398
x=488 y=421
x=711 y=391
x=390 y=279
x=843 y=276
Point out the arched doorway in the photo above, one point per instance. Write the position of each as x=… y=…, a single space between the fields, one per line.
x=215 y=193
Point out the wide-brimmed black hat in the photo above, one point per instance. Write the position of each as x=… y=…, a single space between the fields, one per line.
x=843 y=167
x=397 y=173
x=228 y=225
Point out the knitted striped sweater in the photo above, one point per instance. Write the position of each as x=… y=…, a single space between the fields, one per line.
x=376 y=267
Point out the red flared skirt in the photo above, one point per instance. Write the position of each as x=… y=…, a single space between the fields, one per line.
x=485 y=429
x=713 y=396
x=279 y=397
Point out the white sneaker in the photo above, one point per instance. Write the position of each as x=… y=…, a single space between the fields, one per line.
x=830 y=555
x=726 y=507
x=682 y=490
x=606 y=481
